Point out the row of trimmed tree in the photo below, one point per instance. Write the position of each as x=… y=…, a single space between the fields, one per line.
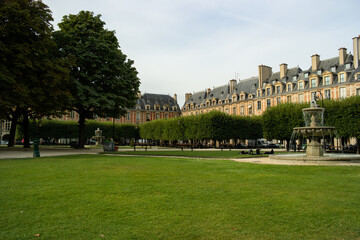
x=215 y=126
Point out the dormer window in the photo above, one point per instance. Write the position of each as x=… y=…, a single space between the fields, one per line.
x=301 y=85
x=327 y=80
x=319 y=72
x=267 y=91
x=313 y=83
x=259 y=93
x=342 y=77
x=273 y=82
x=347 y=66
x=333 y=69
x=278 y=89
x=294 y=78
x=306 y=75
x=289 y=88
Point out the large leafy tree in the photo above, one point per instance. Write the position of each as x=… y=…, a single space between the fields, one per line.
x=31 y=77
x=103 y=81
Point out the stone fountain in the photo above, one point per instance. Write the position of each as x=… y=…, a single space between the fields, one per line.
x=314 y=131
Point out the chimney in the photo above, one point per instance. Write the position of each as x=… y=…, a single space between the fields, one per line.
x=264 y=74
x=283 y=70
x=175 y=97
x=342 y=56
x=139 y=94
x=232 y=85
x=208 y=92
x=356 y=44
x=186 y=97
x=315 y=60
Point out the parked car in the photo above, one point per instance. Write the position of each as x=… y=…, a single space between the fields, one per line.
x=273 y=145
x=241 y=146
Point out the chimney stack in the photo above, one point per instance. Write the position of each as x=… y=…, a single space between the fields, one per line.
x=139 y=94
x=208 y=92
x=356 y=44
x=264 y=74
x=315 y=60
x=175 y=97
x=232 y=85
x=283 y=70
x=342 y=56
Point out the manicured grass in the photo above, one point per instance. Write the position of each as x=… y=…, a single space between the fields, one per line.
x=189 y=153
x=118 y=197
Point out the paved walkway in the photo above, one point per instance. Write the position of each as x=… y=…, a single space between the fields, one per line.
x=49 y=152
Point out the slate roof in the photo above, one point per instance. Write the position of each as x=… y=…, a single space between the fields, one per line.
x=250 y=85
x=156 y=99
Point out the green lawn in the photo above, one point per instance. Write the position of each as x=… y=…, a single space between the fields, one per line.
x=189 y=153
x=118 y=197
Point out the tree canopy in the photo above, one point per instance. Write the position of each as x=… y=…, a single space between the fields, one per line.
x=102 y=80
x=32 y=78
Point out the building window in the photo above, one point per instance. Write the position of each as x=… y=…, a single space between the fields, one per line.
x=289 y=87
x=234 y=110
x=148 y=117
x=167 y=115
x=313 y=95
x=327 y=94
x=267 y=91
x=259 y=93
x=268 y=103
x=342 y=78
x=227 y=111
x=157 y=115
x=327 y=80
x=301 y=85
x=72 y=114
x=347 y=66
x=294 y=78
x=301 y=98
x=242 y=97
x=138 y=116
x=358 y=91
x=278 y=100
x=277 y=89
x=342 y=92
x=259 y=105
x=242 y=110
x=313 y=83
x=319 y=72
x=127 y=116
x=250 y=110
x=137 y=107
x=288 y=98
x=306 y=75
x=333 y=69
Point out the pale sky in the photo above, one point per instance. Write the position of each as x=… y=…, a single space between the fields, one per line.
x=182 y=46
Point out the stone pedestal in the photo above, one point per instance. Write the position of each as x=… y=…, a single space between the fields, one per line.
x=314 y=149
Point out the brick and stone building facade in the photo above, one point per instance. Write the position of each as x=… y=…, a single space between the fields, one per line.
x=334 y=78
x=148 y=107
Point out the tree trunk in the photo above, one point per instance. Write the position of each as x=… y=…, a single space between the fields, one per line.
x=14 y=122
x=287 y=145
x=26 y=129
x=81 y=122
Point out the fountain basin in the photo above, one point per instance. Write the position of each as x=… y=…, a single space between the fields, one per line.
x=318 y=131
